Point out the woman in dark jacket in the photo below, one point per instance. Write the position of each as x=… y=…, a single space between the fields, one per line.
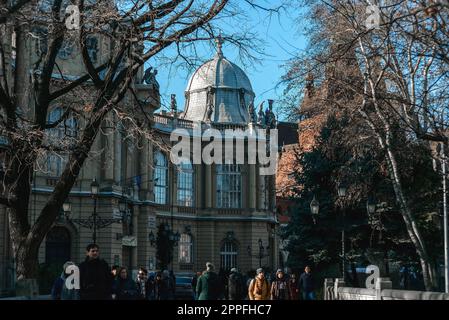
x=124 y=287
x=293 y=287
x=279 y=287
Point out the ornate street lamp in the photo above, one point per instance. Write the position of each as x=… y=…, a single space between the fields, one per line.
x=67 y=207
x=94 y=221
x=94 y=188
x=314 y=206
x=370 y=205
x=341 y=191
x=263 y=252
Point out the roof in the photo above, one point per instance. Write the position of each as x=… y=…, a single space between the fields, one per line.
x=219 y=91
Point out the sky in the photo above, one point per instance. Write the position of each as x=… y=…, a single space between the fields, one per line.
x=281 y=40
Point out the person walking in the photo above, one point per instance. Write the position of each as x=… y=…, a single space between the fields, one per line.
x=124 y=287
x=236 y=287
x=95 y=276
x=279 y=287
x=293 y=287
x=158 y=286
x=194 y=283
x=164 y=286
x=144 y=284
x=259 y=288
x=172 y=285
x=60 y=291
x=306 y=284
x=208 y=285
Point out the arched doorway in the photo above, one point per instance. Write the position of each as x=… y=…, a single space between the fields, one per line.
x=57 y=246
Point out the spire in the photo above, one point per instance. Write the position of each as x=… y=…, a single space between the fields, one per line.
x=219 y=41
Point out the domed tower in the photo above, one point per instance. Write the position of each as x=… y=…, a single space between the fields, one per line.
x=219 y=91
x=223 y=210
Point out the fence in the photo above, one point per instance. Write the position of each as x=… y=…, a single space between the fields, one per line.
x=336 y=290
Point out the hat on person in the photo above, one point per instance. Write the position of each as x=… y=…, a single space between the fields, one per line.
x=279 y=270
x=259 y=270
x=209 y=266
x=67 y=264
x=234 y=270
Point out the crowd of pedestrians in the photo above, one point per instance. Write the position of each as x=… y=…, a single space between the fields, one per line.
x=99 y=282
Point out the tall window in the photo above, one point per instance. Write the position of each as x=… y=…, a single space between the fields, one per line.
x=185 y=192
x=228 y=255
x=60 y=136
x=160 y=178
x=185 y=248
x=229 y=186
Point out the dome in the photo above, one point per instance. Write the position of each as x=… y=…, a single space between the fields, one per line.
x=219 y=91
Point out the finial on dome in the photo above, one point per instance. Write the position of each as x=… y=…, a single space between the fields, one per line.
x=219 y=41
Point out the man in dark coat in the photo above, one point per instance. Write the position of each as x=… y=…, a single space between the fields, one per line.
x=95 y=276
x=236 y=287
x=306 y=285
x=208 y=285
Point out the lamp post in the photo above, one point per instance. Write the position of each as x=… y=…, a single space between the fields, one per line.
x=314 y=208
x=440 y=149
x=341 y=190
x=263 y=252
x=93 y=222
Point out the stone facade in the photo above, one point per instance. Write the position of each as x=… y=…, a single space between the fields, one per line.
x=126 y=173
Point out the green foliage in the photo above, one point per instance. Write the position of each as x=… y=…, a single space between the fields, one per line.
x=340 y=157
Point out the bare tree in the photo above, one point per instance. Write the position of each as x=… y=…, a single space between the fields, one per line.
x=400 y=53
x=135 y=31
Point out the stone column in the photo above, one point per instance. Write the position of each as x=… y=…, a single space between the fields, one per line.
x=135 y=222
x=260 y=189
x=198 y=187
x=328 y=288
x=109 y=154
x=144 y=171
x=117 y=156
x=252 y=187
x=339 y=282
x=149 y=178
x=208 y=186
x=381 y=284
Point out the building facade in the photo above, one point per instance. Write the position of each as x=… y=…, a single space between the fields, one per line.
x=222 y=213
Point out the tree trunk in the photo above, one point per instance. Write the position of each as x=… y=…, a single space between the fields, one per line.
x=429 y=275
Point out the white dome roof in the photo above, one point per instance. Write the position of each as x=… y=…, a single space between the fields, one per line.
x=224 y=87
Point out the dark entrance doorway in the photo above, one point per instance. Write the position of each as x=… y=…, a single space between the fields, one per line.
x=57 y=246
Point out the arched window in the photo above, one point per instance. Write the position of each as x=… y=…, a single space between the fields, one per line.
x=185 y=179
x=228 y=255
x=229 y=186
x=160 y=178
x=185 y=248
